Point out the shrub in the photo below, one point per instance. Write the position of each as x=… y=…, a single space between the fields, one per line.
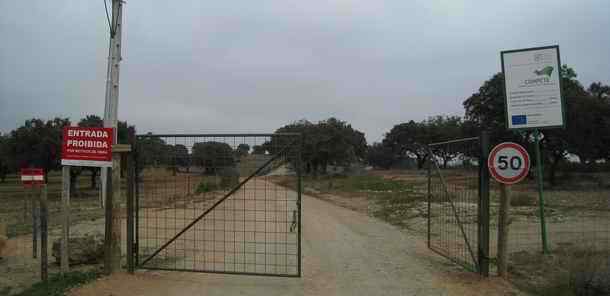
x=586 y=274
x=59 y=284
x=206 y=186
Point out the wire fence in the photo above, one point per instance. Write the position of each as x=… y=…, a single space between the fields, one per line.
x=576 y=210
x=20 y=248
x=206 y=203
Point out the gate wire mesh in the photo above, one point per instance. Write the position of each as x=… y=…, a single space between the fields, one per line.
x=206 y=203
x=453 y=200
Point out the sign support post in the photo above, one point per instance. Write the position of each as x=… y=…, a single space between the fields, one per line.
x=508 y=163
x=540 y=178
x=81 y=146
x=65 y=219
x=503 y=222
x=534 y=101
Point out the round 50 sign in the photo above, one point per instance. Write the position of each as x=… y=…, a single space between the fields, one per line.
x=508 y=163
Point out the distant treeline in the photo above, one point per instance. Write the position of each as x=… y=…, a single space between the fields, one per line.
x=584 y=141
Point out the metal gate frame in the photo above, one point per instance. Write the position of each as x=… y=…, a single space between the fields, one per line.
x=134 y=259
x=479 y=251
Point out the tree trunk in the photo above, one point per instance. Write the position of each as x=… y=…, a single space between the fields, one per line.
x=552 y=172
x=421 y=160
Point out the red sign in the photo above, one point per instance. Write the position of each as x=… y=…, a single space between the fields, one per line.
x=508 y=163
x=32 y=177
x=87 y=146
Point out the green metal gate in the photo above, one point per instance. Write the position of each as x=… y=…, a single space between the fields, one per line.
x=220 y=203
x=458 y=201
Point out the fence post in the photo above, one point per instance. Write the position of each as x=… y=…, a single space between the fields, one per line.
x=429 y=173
x=34 y=222
x=483 y=225
x=299 y=191
x=137 y=206
x=65 y=213
x=44 y=216
x=108 y=223
x=130 y=212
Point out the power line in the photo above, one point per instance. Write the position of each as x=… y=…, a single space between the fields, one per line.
x=108 y=19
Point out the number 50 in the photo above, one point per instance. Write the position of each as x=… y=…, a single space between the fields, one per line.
x=514 y=162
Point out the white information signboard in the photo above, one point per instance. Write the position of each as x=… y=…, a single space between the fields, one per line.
x=533 y=88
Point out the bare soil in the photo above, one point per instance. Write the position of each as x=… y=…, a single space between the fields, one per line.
x=344 y=253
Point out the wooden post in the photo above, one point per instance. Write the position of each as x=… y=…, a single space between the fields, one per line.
x=43 y=234
x=65 y=218
x=503 y=226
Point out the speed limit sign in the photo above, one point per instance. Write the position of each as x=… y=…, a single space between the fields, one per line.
x=508 y=163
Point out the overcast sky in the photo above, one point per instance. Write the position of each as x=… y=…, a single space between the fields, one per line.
x=253 y=66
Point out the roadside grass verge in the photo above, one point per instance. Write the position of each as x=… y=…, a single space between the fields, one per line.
x=57 y=285
x=394 y=201
x=565 y=272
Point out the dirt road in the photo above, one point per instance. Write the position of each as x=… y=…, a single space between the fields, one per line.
x=344 y=253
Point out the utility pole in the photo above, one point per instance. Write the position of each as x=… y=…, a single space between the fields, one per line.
x=113 y=222
x=111 y=106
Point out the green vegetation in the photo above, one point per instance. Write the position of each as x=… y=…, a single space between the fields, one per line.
x=522 y=199
x=390 y=200
x=586 y=137
x=215 y=183
x=57 y=285
x=583 y=272
x=354 y=184
x=327 y=142
x=208 y=185
x=397 y=208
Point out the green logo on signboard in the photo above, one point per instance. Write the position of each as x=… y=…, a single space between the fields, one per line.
x=548 y=70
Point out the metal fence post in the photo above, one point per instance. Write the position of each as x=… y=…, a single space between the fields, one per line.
x=483 y=225
x=108 y=224
x=43 y=234
x=299 y=190
x=130 y=212
x=137 y=206
x=33 y=203
x=429 y=198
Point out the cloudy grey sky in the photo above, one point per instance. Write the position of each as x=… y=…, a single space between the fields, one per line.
x=253 y=66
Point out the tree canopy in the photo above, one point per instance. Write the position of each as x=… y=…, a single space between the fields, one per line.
x=410 y=139
x=327 y=142
x=213 y=156
x=587 y=131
